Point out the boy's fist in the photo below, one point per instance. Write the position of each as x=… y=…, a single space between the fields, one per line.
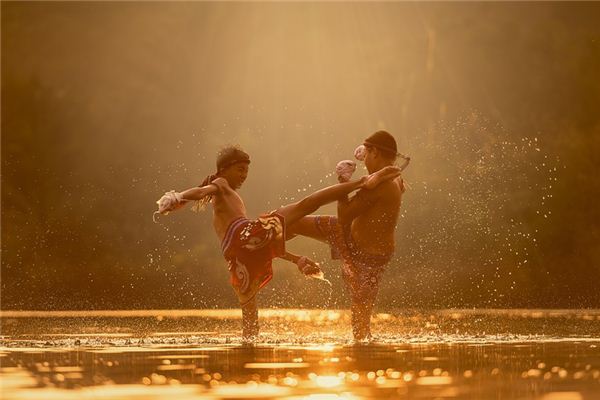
x=344 y=170
x=169 y=202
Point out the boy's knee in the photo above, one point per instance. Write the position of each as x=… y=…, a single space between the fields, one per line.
x=363 y=309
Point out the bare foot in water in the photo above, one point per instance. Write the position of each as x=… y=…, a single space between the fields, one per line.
x=249 y=340
x=384 y=174
x=307 y=266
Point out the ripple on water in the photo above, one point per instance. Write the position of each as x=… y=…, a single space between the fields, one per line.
x=305 y=354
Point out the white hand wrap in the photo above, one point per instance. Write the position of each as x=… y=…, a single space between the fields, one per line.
x=360 y=152
x=344 y=169
x=178 y=197
x=169 y=201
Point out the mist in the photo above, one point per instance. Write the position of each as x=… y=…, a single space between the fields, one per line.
x=105 y=106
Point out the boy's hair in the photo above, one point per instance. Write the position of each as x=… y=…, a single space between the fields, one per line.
x=226 y=157
x=230 y=155
x=384 y=142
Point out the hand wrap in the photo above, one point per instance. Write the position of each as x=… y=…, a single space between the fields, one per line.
x=169 y=201
x=360 y=152
x=344 y=169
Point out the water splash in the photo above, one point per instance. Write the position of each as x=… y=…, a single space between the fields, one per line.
x=320 y=276
x=488 y=195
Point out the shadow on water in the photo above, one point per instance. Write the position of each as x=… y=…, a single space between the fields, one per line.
x=190 y=354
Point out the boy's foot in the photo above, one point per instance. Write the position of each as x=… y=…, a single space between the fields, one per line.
x=308 y=267
x=384 y=174
x=249 y=340
x=364 y=341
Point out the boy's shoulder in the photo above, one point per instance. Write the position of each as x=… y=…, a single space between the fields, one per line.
x=390 y=187
x=221 y=183
x=389 y=191
x=385 y=190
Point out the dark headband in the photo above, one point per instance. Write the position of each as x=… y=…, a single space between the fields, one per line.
x=381 y=147
x=233 y=157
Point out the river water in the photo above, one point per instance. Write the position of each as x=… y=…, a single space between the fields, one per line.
x=301 y=354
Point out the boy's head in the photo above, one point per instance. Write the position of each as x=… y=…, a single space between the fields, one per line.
x=381 y=150
x=232 y=164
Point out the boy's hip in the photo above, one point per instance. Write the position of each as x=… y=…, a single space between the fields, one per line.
x=251 y=238
x=345 y=248
x=249 y=247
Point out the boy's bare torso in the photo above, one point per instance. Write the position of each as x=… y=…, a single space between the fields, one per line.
x=227 y=207
x=373 y=230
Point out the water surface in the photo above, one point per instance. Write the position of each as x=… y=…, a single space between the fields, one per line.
x=193 y=354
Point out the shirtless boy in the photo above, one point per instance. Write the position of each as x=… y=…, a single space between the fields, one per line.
x=362 y=234
x=250 y=245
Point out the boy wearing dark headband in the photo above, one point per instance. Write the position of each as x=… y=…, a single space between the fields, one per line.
x=249 y=246
x=362 y=234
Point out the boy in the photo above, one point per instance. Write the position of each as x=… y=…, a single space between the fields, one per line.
x=362 y=234
x=250 y=245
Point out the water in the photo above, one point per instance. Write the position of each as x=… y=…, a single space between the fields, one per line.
x=321 y=277
x=193 y=354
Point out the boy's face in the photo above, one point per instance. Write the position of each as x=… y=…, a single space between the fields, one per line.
x=235 y=174
x=374 y=159
x=370 y=156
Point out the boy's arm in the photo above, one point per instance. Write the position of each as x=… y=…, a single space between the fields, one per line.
x=173 y=201
x=197 y=193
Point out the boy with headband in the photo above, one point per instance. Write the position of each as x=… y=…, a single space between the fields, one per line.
x=250 y=245
x=362 y=234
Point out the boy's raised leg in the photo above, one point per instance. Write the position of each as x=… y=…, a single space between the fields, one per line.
x=305 y=226
x=293 y=212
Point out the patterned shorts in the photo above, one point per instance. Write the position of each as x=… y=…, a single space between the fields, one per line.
x=249 y=247
x=361 y=271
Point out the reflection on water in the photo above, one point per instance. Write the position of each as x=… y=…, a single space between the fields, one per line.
x=301 y=354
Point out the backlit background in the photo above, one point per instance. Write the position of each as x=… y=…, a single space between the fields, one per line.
x=105 y=106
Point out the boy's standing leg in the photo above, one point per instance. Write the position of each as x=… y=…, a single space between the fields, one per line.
x=250 y=320
x=362 y=278
x=362 y=309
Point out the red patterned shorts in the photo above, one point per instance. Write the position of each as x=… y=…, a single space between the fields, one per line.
x=249 y=247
